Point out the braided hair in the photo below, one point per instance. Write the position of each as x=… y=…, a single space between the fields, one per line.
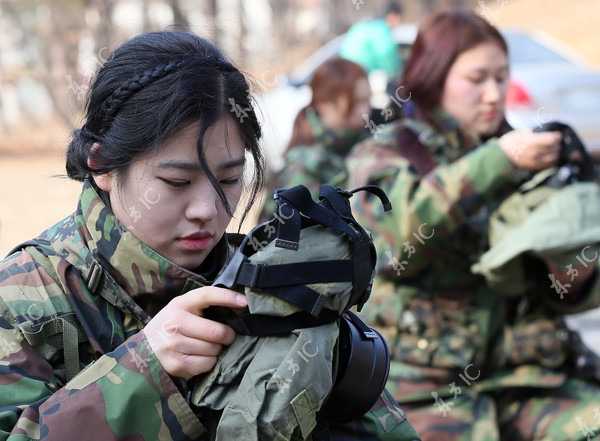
x=150 y=87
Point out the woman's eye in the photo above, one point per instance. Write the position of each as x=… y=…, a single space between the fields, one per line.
x=477 y=80
x=232 y=181
x=502 y=79
x=175 y=184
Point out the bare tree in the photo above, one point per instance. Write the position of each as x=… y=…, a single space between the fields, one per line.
x=103 y=32
x=179 y=19
x=283 y=14
x=212 y=12
x=241 y=49
x=344 y=13
x=145 y=18
x=428 y=6
x=56 y=38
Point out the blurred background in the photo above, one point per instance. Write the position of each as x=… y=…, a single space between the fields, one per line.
x=50 y=49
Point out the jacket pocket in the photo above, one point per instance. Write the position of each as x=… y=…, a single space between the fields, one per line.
x=429 y=336
x=532 y=340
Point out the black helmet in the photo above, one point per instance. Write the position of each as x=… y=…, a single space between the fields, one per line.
x=363 y=368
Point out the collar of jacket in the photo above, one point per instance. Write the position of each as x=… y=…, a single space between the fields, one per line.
x=146 y=276
x=446 y=138
x=337 y=140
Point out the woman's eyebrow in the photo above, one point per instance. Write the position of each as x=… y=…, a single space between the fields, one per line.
x=235 y=162
x=484 y=70
x=177 y=163
x=186 y=165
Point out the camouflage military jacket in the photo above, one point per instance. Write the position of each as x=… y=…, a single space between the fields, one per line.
x=442 y=321
x=322 y=162
x=124 y=391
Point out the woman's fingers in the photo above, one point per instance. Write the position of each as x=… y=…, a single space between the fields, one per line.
x=191 y=365
x=191 y=326
x=185 y=342
x=186 y=357
x=197 y=300
x=531 y=151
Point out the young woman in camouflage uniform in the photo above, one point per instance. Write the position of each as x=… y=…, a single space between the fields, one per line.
x=468 y=362
x=118 y=288
x=325 y=130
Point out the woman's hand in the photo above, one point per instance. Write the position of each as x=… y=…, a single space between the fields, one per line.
x=186 y=343
x=573 y=279
x=531 y=151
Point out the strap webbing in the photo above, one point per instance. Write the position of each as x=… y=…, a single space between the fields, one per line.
x=302 y=296
x=288 y=230
x=43 y=261
x=264 y=276
x=70 y=338
x=299 y=197
x=287 y=281
x=261 y=325
x=63 y=332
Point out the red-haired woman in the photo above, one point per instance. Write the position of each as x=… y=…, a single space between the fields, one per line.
x=326 y=129
x=469 y=363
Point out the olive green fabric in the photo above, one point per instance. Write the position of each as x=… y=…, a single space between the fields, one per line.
x=288 y=376
x=554 y=225
x=273 y=386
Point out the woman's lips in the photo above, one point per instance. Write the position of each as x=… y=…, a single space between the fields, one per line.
x=490 y=114
x=195 y=242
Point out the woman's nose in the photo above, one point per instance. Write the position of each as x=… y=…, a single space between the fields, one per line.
x=203 y=205
x=492 y=92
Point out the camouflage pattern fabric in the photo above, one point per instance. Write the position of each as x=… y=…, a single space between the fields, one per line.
x=385 y=421
x=313 y=165
x=570 y=411
x=122 y=392
x=450 y=334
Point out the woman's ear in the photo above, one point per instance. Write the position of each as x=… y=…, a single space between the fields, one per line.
x=104 y=181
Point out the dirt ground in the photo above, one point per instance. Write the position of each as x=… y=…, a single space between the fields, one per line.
x=33 y=198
